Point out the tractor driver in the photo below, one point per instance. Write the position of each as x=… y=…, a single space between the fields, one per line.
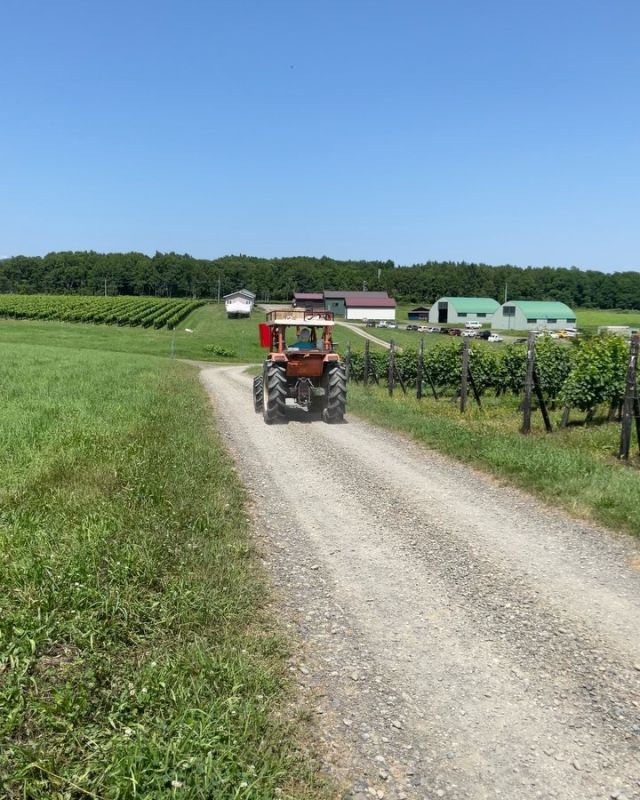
x=304 y=340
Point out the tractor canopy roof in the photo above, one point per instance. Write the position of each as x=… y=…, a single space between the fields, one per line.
x=298 y=317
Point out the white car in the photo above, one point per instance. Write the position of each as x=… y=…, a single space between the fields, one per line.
x=469 y=333
x=381 y=324
x=494 y=338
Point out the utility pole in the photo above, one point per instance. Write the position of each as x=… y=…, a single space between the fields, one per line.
x=105 y=287
x=219 y=286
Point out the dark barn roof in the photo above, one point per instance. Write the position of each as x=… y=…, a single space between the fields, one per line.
x=313 y=296
x=364 y=300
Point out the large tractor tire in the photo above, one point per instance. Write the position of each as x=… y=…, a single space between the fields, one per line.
x=258 y=393
x=335 y=386
x=274 y=393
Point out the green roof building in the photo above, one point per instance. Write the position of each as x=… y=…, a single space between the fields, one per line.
x=530 y=315
x=458 y=310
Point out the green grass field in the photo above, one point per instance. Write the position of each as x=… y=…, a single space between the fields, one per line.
x=137 y=658
x=209 y=324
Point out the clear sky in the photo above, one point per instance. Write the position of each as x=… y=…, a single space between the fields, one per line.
x=502 y=131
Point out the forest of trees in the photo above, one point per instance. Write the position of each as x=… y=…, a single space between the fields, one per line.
x=175 y=275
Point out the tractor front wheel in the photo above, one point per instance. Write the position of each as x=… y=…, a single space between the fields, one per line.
x=258 y=392
x=274 y=393
x=335 y=386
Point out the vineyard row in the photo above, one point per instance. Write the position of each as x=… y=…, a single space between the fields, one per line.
x=133 y=311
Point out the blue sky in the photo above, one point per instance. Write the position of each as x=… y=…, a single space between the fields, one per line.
x=478 y=130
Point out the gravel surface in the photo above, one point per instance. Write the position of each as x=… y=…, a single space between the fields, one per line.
x=366 y=335
x=456 y=637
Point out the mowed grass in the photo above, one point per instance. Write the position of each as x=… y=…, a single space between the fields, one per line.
x=592 y=318
x=574 y=468
x=209 y=326
x=136 y=655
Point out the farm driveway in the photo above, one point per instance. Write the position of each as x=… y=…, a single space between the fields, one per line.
x=456 y=638
x=366 y=335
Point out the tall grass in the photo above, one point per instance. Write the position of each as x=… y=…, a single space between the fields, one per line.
x=136 y=657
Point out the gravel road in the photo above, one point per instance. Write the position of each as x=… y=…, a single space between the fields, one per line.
x=366 y=335
x=456 y=638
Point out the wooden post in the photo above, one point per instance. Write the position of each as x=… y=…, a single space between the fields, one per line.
x=419 y=370
x=365 y=368
x=391 y=369
x=543 y=406
x=474 y=388
x=528 y=384
x=464 y=377
x=630 y=399
x=565 y=416
x=347 y=362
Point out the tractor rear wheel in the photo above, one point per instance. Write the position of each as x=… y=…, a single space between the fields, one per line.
x=258 y=392
x=274 y=393
x=335 y=386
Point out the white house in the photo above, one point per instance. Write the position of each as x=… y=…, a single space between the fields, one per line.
x=240 y=303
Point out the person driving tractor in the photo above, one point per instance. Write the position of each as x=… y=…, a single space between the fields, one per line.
x=304 y=340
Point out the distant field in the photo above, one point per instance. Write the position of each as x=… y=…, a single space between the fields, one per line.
x=209 y=325
x=593 y=317
x=146 y=312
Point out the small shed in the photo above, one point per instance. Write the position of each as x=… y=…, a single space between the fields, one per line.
x=530 y=315
x=421 y=312
x=239 y=303
x=453 y=310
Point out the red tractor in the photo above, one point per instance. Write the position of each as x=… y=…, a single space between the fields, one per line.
x=302 y=369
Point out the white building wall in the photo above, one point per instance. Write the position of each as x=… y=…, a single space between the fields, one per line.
x=371 y=313
x=519 y=322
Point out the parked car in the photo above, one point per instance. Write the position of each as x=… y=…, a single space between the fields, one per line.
x=455 y=332
x=371 y=323
x=391 y=325
x=470 y=334
x=484 y=334
x=473 y=325
x=423 y=329
x=411 y=327
x=432 y=329
x=494 y=338
x=445 y=331
x=381 y=324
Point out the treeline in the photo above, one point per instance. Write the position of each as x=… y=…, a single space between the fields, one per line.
x=175 y=275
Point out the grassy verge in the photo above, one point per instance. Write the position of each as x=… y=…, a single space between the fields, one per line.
x=573 y=468
x=136 y=659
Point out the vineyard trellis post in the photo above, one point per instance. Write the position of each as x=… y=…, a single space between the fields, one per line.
x=531 y=385
x=464 y=377
x=391 y=369
x=365 y=367
x=419 y=367
x=631 y=405
x=528 y=383
x=347 y=362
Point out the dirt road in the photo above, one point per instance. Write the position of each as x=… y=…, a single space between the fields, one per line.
x=458 y=639
x=365 y=334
